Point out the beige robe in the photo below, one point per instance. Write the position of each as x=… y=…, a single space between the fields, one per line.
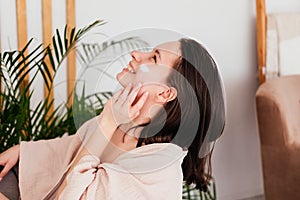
x=148 y=172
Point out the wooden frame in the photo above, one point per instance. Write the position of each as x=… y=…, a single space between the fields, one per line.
x=261 y=30
x=22 y=29
x=71 y=60
x=47 y=40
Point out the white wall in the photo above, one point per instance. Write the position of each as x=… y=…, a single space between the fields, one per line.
x=227 y=28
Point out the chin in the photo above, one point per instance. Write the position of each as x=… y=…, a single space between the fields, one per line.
x=123 y=79
x=120 y=80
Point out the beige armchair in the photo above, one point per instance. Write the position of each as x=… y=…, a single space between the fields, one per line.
x=278 y=115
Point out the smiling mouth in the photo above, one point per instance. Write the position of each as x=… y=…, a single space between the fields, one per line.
x=130 y=68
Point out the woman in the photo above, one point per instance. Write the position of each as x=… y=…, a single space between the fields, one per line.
x=172 y=95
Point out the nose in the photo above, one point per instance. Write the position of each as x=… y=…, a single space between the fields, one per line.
x=140 y=57
x=136 y=55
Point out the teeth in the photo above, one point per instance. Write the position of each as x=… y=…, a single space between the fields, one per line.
x=130 y=69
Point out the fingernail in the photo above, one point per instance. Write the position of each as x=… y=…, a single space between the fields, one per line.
x=139 y=84
x=0 y=179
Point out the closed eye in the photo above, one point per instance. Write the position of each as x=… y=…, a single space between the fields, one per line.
x=155 y=58
x=156 y=55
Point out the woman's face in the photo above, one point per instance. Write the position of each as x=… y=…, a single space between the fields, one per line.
x=150 y=67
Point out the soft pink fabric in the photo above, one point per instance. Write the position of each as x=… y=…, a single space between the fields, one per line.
x=44 y=163
x=91 y=179
x=148 y=172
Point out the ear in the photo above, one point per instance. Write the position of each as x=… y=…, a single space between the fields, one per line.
x=167 y=95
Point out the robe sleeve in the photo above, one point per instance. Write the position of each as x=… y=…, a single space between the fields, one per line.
x=43 y=163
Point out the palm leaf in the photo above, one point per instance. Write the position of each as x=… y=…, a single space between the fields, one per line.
x=191 y=193
x=91 y=53
x=17 y=119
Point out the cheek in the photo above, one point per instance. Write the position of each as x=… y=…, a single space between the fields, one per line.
x=144 y=89
x=150 y=78
x=153 y=89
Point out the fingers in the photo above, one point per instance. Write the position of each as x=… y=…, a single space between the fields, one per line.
x=140 y=103
x=126 y=106
x=8 y=159
x=117 y=95
x=124 y=95
x=4 y=171
x=128 y=94
x=134 y=93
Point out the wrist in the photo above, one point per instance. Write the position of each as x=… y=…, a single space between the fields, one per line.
x=17 y=148
x=101 y=136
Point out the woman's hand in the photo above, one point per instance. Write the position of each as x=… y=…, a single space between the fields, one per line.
x=8 y=159
x=120 y=107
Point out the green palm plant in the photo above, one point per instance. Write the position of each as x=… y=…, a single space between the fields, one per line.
x=191 y=193
x=20 y=121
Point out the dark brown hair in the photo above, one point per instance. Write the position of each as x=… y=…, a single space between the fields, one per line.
x=196 y=117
